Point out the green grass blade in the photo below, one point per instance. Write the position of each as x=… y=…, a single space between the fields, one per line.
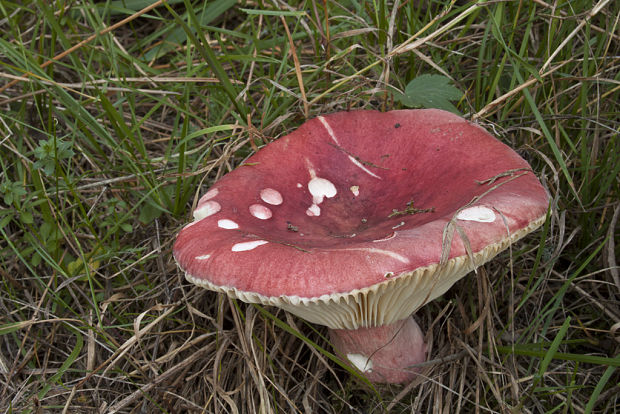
x=599 y=388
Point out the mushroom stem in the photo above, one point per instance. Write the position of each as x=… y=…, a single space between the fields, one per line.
x=383 y=353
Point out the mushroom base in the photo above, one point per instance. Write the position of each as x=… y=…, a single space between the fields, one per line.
x=383 y=353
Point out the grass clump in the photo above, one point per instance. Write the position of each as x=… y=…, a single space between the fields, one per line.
x=116 y=115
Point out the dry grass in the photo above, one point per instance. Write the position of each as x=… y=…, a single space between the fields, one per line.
x=96 y=317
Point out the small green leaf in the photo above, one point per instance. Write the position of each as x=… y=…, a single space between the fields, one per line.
x=26 y=217
x=12 y=191
x=49 y=152
x=76 y=266
x=35 y=259
x=149 y=212
x=430 y=91
x=4 y=221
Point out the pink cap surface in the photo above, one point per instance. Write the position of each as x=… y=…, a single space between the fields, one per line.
x=353 y=199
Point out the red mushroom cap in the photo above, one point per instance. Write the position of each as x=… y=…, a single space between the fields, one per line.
x=349 y=212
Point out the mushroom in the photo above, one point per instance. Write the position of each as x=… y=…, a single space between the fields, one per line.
x=357 y=219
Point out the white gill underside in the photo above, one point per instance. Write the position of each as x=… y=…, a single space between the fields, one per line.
x=383 y=303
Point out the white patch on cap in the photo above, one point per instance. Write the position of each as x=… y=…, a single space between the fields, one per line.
x=245 y=246
x=227 y=224
x=299 y=185
x=203 y=257
x=320 y=188
x=390 y=237
x=402 y=223
x=210 y=194
x=207 y=209
x=477 y=213
x=360 y=362
x=355 y=189
x=360 y=165
x=313 y=211
x=260 y=211
x=389 y=253
x=329 y=129
x=271 y=196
